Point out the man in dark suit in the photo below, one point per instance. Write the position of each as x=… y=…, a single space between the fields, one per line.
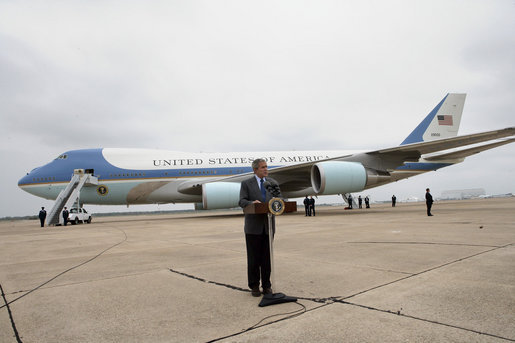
x=312 y=206
x=66 y=214
x=253 y=190
x=429 y=202
x=306 y=206
x=42 y=216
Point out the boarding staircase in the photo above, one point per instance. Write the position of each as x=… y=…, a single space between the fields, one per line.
x=70 y=196
x=346 y=199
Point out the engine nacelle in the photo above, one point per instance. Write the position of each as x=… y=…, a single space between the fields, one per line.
x=334 y=177
x=220 y=195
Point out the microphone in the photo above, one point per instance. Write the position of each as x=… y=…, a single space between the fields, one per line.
x=273 y=188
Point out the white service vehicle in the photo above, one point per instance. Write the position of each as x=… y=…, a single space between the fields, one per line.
x=79 y=215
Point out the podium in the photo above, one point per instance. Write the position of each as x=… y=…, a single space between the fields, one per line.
x=263 y=208
x=275 y=206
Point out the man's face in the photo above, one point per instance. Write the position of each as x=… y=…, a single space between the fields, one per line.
x=262 y=170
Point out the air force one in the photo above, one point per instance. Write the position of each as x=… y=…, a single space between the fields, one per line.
x=212 y=180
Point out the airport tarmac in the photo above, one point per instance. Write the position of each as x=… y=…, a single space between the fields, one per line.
x=372 y=275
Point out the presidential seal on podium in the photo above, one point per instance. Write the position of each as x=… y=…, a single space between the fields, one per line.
x=276 y=206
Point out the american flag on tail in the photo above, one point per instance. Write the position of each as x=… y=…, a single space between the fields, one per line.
x=445 y=119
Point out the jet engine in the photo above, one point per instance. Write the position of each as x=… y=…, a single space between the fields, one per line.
x=220 y=195
x=334 y=177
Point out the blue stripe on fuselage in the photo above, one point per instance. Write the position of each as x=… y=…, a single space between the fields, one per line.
x=61 y=170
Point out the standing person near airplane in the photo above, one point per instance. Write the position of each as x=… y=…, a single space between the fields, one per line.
x=253 y=190
x=42 y=216
x=66 y=214
x=429 y=202
x=312 y=206
x=306 y=206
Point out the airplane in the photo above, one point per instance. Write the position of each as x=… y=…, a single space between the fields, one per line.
x=212 y=180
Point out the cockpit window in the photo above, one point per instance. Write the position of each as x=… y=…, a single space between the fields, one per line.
x=62 y=157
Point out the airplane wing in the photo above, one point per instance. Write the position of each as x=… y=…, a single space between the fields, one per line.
x=447 y=143
x=468 y=152
x=391 y=158
x=298 y=177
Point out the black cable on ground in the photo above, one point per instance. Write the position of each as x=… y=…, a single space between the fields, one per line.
x=66 y=271
x=255 y=326
x=292 y=314
x=340 y=300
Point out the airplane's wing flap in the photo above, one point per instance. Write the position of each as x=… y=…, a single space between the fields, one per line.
x=448 y=143
x=468 y=152
x=394 y=157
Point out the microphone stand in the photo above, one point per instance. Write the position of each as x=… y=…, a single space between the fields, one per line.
x=273 y=298
x=270 y=244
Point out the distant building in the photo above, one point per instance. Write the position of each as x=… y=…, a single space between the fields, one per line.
x=462 y=194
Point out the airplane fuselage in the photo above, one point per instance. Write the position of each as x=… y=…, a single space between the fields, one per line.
x=125 y=174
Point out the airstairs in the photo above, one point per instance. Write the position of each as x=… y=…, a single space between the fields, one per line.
x=346 y=199
x=70 y=195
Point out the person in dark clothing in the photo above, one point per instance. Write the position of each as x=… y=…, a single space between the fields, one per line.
x=349 y=199
x=394 y=200
x=360 y=201
x=253 y=190
x=429 y=202
x=367 y=202
x=306 y=206
x=312 y=206
x=66 y=213
x=42 y=216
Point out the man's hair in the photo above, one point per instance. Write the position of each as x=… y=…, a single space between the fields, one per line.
x=427 y=189
x=256 y=162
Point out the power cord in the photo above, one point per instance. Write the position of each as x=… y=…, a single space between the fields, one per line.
x=66 y=271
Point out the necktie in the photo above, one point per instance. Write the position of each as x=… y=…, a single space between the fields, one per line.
x=263 y=190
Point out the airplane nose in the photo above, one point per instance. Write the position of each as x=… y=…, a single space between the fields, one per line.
x=23 y=180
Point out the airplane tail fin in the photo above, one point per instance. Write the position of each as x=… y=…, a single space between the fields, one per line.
x=443 y=121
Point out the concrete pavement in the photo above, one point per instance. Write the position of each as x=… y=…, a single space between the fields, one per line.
x=371 y=275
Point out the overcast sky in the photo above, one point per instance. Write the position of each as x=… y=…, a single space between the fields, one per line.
x=200 y=75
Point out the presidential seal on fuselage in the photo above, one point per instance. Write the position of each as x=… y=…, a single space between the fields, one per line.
x=102 y=190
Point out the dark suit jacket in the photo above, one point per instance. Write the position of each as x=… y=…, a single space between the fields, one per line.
x=255 y=224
